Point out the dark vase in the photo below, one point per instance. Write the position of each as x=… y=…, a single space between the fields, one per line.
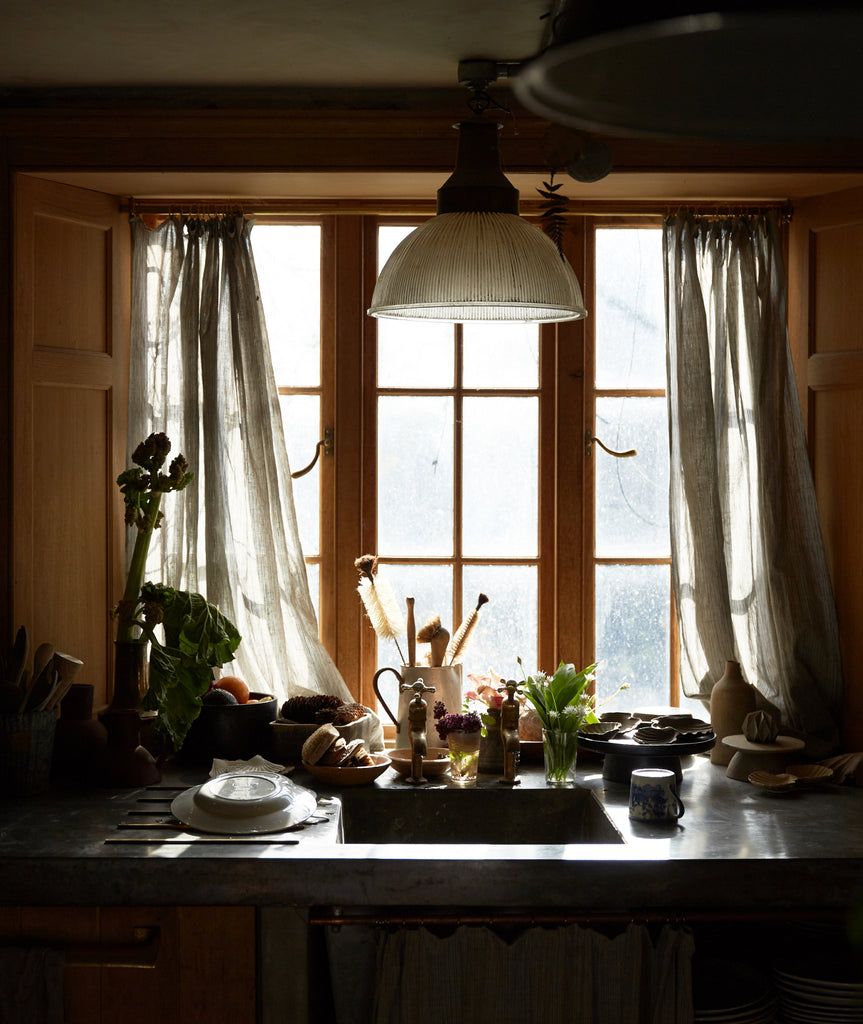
x=130 y=673
x=127 y=763
x=80 y=742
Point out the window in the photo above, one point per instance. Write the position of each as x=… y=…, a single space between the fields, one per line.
x=464 y=479
x=631 y=564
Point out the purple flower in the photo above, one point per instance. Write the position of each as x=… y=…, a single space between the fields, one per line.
x=461 y=722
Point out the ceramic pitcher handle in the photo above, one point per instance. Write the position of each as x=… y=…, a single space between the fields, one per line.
x=380 y=672
x=680 y=808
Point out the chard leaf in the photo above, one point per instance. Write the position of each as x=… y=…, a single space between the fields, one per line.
x=198 y=638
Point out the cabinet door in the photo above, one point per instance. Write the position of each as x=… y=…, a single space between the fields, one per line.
x=205 y=970
x=71 y=341
x=825 y=274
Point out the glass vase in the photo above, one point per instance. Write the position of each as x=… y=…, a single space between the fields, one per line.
x=463 y=757
x=560 y=750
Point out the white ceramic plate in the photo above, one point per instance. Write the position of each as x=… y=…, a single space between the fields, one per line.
x=244 y=803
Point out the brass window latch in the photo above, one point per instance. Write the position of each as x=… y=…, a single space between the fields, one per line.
x=325 y=445
x=589 y=440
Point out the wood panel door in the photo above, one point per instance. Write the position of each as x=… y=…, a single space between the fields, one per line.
x=71 y=365
x=825 y=280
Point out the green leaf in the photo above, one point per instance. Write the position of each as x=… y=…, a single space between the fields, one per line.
x=550 y=697
x=198 y=638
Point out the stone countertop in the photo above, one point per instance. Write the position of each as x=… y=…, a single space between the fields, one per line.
x=737 y=847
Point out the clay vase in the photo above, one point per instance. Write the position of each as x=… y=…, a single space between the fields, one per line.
x=127 y=763
x=80 y=742
x=731 y=700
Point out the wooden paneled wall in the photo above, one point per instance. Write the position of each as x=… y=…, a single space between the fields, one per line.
x=825 y=275
x=71 y=327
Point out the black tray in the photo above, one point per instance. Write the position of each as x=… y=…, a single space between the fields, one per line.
x=624 y=755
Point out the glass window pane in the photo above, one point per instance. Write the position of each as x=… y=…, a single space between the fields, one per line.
x=507 y=627
x=288 y=262
x=633 y=605
x=388 y=238
x=632 y=494
x=413 y=354
x=501 y=355
x=301 y=418
x=500 y=477
x=629 y=308
x=431 y=588
x=415 y=476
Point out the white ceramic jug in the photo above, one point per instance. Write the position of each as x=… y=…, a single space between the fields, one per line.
x=447 y=683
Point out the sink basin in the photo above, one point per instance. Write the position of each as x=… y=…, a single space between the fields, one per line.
x=547 y=817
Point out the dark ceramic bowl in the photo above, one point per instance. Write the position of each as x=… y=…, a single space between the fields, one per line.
x=235 y=732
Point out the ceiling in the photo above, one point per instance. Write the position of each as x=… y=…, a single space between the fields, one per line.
x=290 y=44
x=288 y=51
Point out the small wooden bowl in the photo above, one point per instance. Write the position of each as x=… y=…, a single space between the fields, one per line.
x=436 y=762
x=360 y=775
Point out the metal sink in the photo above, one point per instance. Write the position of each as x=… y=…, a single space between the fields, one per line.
x=546 y=817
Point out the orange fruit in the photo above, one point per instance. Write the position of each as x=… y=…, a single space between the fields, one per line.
x=234 y=685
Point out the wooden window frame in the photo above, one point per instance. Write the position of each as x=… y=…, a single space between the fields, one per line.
x=348 y=482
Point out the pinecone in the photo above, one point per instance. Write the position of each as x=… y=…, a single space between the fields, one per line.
x=348 y=713
x=305 y=709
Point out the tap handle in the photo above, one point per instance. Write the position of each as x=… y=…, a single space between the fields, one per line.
x=513 y=689
x=418 y=687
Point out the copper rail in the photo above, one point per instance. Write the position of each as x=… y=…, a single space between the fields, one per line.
x=576 y=917
x=142 y=951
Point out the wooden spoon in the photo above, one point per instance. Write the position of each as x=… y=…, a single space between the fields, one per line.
x=19 y=656
x=66 y=668
x=412 y=633
x=44 y=653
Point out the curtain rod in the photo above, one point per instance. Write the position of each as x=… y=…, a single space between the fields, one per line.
x=251 y=206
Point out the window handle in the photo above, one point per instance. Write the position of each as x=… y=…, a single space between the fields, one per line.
x=325 y=445
x=588 y=447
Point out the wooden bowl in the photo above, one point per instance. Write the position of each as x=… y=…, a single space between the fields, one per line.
x=360 y=775
x=436 y=762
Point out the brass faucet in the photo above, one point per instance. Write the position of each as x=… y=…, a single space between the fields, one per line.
x=417 y=717
x=509 y=711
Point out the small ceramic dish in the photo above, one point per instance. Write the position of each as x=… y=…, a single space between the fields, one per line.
x=623 y=719
x=783 y=783
x=244 y=803
x=654 y=734
x=810 y=774
x=436 y=762
x=600 y=730
x=358 y=775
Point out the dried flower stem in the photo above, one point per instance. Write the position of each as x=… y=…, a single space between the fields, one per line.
x=380 y=604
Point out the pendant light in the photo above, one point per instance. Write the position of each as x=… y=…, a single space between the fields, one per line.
x=477 y=259
x=774 y=71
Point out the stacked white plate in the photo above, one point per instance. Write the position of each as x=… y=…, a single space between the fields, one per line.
x=725 y=992
x=820 y=993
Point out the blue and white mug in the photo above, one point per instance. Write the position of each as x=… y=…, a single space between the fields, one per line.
x=653 y=795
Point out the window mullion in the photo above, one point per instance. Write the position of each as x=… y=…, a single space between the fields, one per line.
x=458 y=463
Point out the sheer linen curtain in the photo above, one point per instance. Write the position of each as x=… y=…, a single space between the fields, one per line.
x=201 y=372
x=748 y=566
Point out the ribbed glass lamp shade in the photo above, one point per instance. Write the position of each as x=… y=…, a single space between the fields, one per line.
x=477 y=266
